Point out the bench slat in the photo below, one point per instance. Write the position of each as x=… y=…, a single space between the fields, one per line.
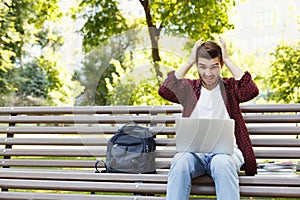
x=266 y=153
x=54 y=152
x=57 y=196
x=259 y=108
x=64 y=163
x=165 y=142
x=57 y=130
x=270 y=191
x=278 y=130
x=40 y=110
x=73 y=163
x=55 y=141
x=284 y=153
x=77 y=130
x=257 y=130
x=286 y=118
x=270 y=180
x=82 y=141
x=81 y=119
x=264 y=191
x=246 y=108
x=83 y=186
x=280 y=142
x=48 y=163
x=66 y=175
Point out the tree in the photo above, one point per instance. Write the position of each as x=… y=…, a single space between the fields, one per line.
x=99 y=69
x=192 y=19
x=284 y=79
x=30 y=40
x=21 y=24
x=32 y=81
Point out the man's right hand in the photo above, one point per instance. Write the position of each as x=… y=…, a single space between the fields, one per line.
x=192 y=59
x=180 y=73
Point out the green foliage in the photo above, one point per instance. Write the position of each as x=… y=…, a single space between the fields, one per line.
x=103 y=20
x=284 y=77
x=20 y=24
x=31 y=72
x=31 y=81
x=60 y=87
x=24 y=86
x=6 y=85
x=194 y=19
x=99 y=68
x=138 y=85
x=178 y=18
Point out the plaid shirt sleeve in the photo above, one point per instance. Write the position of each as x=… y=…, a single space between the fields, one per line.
x=238 y=91
x=178 y=90
x=245 y=89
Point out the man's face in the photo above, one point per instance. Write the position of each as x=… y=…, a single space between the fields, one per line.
x=209 y=71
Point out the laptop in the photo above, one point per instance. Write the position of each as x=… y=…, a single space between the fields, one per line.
x=204 y=135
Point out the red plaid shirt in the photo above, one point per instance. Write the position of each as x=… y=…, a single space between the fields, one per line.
x=187 y=93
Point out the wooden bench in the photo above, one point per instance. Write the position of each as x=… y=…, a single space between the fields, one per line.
x=50 y=152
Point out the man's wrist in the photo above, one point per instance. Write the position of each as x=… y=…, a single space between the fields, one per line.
x=181 y=72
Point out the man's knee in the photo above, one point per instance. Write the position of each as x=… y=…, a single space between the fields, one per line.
x=222 y=163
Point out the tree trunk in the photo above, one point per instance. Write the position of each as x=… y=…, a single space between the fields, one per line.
x=154 y=33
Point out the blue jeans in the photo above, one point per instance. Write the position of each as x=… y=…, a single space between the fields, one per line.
x=222 y=168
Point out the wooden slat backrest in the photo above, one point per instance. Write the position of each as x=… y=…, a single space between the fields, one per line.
x=46 y=135
x=165 y=153
x=257 y=142
x=41 y=110
x=137 y=109
x=258 y=130
x=264 y=108
x=83 y=119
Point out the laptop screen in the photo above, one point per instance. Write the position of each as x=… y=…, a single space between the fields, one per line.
x=204 y=135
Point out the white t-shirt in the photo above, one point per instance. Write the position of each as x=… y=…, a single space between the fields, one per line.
x=210 y=104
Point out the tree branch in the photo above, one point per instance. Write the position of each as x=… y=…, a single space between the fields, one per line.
x=145 y=4
x=6 y=4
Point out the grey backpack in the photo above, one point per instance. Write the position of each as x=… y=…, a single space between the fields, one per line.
x=130 y=150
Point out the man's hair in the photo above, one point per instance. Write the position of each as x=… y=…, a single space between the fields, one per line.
x=209 y=50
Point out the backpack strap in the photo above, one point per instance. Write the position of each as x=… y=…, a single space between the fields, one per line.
x=129 y=124
x=96 y=166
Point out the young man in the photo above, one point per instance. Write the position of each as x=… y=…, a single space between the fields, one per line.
x=214 y=97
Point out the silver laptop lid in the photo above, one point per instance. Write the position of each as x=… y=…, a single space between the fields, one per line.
x=204 y=135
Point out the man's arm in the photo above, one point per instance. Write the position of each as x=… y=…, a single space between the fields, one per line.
x=233 y=68
x=245 y=88
x=181 y=72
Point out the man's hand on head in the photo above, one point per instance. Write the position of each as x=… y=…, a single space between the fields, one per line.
x=181 y=72
x=236 y=71
x=225 y=55
x=192 y=59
